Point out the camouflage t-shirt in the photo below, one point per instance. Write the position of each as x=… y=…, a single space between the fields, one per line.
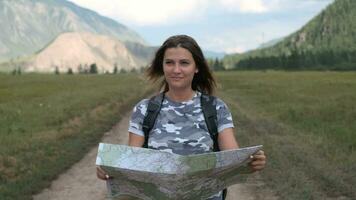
x=180 y=126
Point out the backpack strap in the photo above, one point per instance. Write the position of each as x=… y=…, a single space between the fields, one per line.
x=209 y=111
x=153 y=108
x=224 y=193
x=208 y=107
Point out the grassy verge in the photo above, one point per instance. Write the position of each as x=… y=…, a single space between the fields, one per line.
x=306 y=121
x=48 y=122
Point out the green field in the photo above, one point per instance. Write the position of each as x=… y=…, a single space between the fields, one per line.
x=305 y=120
x=48 y=122
x=307 y=123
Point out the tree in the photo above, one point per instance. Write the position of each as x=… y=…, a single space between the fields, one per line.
x=210 y=63
x=217 y=65
x=56 y=70
x=115 y=69
x=133 y=70
x=93 y=69
x=80 y=69
x=141 y=69
x=70 y=71
x=19 y=71
x=123 y=71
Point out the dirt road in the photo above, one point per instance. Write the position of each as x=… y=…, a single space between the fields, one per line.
x=80 y=181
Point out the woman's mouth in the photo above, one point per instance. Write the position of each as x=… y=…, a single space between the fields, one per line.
x=176 y=78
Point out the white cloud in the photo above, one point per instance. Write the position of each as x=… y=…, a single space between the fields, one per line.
x=163 y=12
x=155 y=11
x=143 y=12
x=160 y=12
x=245 y=6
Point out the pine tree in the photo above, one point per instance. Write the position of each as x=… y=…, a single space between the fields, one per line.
x=56 y=71
x=19 y=71
x=115 y=69
x=93 y=69
x=70 y=71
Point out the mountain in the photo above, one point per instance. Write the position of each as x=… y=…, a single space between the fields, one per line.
x=29 y=25
x=326 y=41
x=269 y=43
x=142 y=52
x=79 y=50
x=213 y=54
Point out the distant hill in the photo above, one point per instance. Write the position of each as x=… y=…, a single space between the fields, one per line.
x=29 y=25
x=326 y=42
x=142 y=52
x=213 y=54
x=79 y=50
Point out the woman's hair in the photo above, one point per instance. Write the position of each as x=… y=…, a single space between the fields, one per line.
x=203 y=80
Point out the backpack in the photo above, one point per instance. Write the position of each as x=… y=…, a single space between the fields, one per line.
x=209 y=112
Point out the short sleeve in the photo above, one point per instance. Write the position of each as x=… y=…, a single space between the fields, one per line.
x=138 y=114
x=224 y=116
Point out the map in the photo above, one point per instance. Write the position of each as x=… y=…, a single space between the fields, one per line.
x=152 y=174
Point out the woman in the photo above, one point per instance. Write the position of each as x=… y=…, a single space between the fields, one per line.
x=180 y=125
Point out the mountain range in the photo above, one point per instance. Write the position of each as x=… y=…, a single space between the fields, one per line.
x=29 y=27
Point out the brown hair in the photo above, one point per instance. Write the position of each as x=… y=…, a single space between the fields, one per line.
x=203 y=81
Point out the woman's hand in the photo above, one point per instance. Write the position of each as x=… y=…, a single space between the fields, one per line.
x=258 y=161
x=101 y=174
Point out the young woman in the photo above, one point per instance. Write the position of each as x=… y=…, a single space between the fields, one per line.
x=180 y=125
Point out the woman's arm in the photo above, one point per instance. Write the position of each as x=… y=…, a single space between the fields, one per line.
x=226 y=139
x=136 y=140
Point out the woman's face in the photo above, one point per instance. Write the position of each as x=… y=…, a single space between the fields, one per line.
x=179 y=68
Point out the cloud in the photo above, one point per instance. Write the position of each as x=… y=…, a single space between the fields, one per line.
x=162 y=12
x=155 y=12
x=142 y=12
x=244 y=6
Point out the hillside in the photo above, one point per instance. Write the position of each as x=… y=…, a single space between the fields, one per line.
x=327 y=40
x=29 y=25
x=80 y=50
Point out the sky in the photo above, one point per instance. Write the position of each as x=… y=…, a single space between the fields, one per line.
x=230 y=26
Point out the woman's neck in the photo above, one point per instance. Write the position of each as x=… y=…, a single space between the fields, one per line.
x=180 y=95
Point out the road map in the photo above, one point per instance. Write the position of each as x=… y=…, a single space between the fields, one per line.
x=152 y=174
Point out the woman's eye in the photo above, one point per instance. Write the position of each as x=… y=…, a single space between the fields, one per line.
x=168 y=62
x=185 y=63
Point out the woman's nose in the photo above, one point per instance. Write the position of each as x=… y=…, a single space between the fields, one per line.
x=176 y=68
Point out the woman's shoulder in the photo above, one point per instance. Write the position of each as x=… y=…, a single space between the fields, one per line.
x=143 y=102
x=216 y=100
x=219 y=101
x=141 y=105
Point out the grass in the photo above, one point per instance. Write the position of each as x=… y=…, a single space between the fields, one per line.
x=48 y=122
x=306 y=122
